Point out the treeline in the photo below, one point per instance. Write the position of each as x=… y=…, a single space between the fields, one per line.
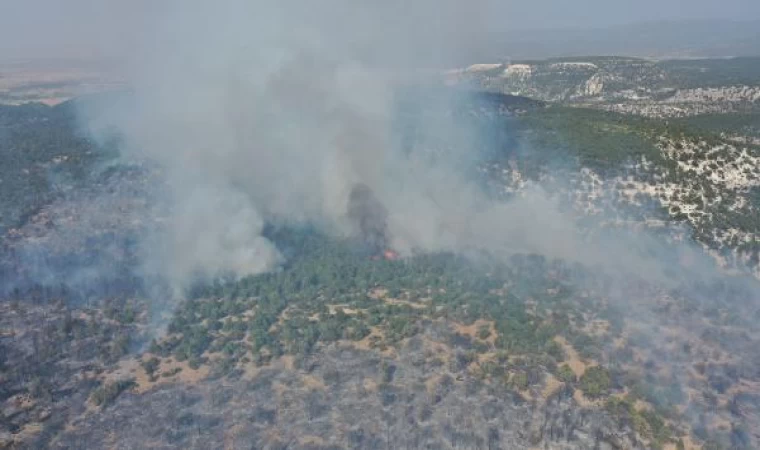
x=326 y=295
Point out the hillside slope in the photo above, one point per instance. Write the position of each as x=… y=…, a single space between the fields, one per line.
x=676 y=88
x=340 y=349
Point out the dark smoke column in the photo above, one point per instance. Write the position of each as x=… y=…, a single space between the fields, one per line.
x=369 y=216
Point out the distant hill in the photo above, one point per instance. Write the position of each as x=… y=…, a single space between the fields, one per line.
x=650 y=87
x=667 y=39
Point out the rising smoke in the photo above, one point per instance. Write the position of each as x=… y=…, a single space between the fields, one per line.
x=369 y=216
x=284 y=113
x=275 y=112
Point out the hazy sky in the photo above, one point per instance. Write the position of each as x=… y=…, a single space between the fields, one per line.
x=44 y=28
x=598 y=13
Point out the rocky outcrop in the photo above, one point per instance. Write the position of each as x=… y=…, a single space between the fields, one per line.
x=626 y=85
x=593 y=87
x=734 y=94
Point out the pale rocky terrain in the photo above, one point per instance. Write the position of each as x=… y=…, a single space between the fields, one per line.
x=628 y=85
x=705 y=187
x=702 y=185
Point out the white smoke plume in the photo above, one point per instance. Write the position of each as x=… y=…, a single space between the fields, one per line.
x=266 y=111
x=273 y=111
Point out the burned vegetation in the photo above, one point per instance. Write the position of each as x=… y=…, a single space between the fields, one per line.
x=523 y=353
x=369 y=217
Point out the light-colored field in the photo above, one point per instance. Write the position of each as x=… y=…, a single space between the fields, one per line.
x=53 y=82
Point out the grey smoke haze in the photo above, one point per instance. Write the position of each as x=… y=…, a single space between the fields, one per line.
x=275 y=112
x=111 y=28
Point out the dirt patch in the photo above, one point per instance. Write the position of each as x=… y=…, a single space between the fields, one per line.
x=584 y=401
x=382 y=294
x=333 y=309
x=688 y=444
x=168 y=371
x=312 y=382
x=572 y=358
x=474 y=329
x=369 y=385
x=27 y=432
x=399 y=302
x=378 y=293
x=551 y=386
x=312 y=441
x=373 y=341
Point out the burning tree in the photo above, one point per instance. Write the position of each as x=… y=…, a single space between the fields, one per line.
x=369 y=217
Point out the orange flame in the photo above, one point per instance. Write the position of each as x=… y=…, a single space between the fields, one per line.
x=390 y=255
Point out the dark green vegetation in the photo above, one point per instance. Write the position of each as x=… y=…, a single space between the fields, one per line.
x=331 y=294
x=589 y=138
x=609 y=141
x=289 y=309
x=43 y=155
x=105 y=394
x=714 y=72
x=595 y=382
x=747 y=124
x=646 y=423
